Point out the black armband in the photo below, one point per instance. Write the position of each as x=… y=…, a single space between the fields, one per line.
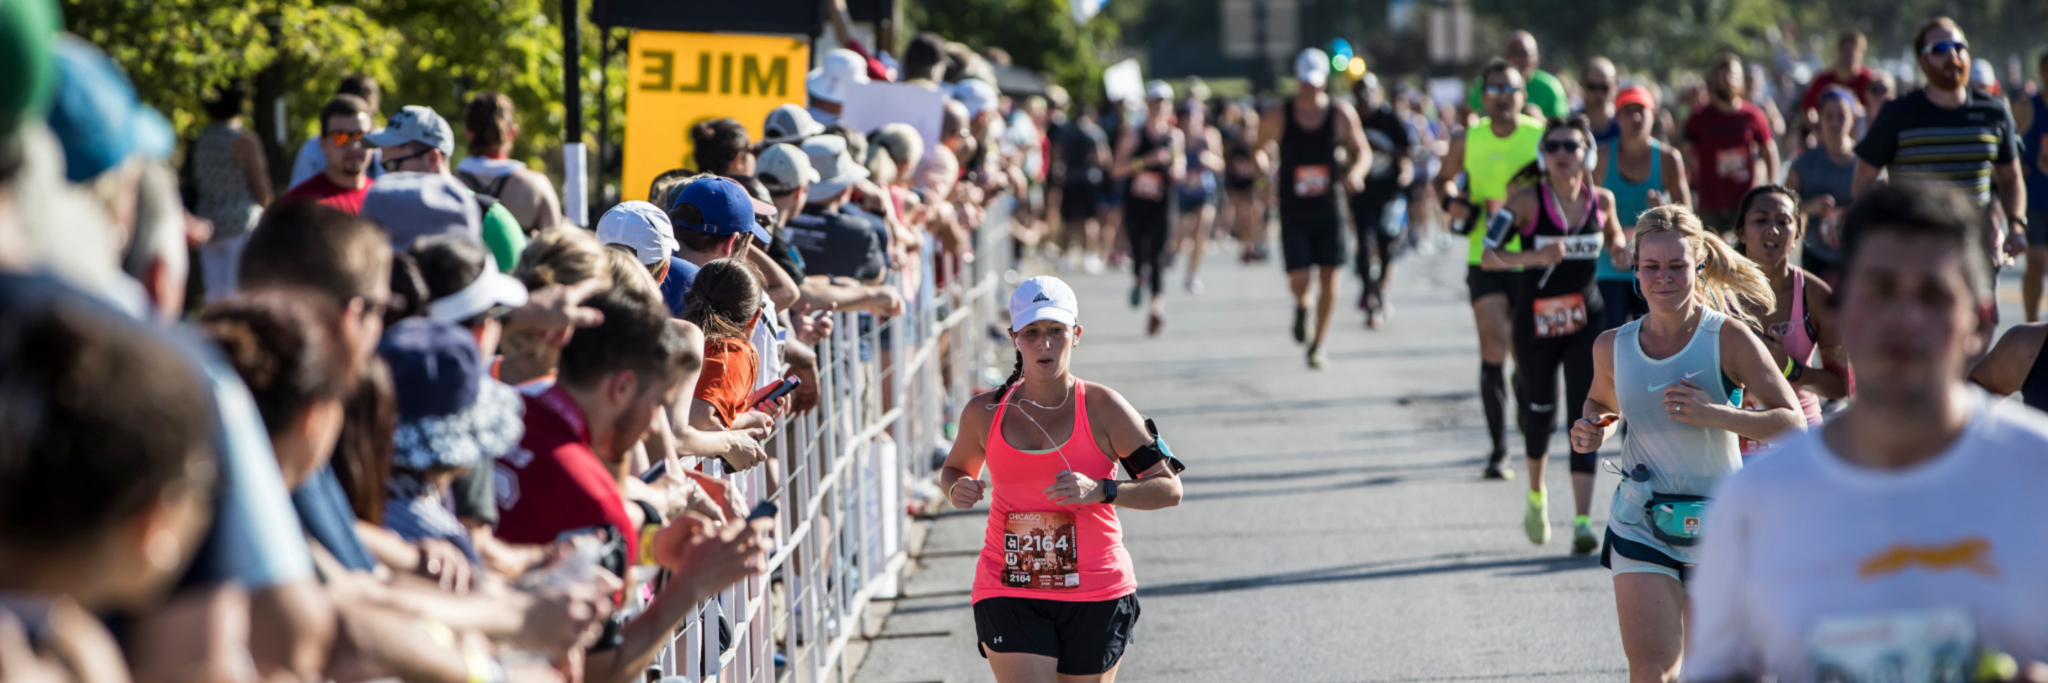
x=1152 y=454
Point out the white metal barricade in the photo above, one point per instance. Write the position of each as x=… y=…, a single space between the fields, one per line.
x=887 y=395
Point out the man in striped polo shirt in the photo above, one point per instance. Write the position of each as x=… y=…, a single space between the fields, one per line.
x=1951 y=132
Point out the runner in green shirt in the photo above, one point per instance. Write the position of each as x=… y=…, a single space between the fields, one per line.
x=1545 y=94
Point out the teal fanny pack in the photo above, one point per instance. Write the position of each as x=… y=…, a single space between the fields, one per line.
x=1677 y=519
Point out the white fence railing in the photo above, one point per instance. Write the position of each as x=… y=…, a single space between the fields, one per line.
x=886 y=395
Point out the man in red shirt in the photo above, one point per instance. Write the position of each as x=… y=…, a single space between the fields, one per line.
x=568 y=472
x=1848 y=72
x=1724 y=142
x=343 y=122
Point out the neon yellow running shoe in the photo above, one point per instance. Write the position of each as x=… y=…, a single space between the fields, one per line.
x=1583 y=540
x=1536 y=522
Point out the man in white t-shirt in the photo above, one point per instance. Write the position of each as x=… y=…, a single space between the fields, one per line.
x=1903 y=539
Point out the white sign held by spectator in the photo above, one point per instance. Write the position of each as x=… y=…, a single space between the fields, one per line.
x=869 y=106
x=1123 y=81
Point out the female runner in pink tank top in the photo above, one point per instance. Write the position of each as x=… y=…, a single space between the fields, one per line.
x=1800 y=330
x=1055 y=593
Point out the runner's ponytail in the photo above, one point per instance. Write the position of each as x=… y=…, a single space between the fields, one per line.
x=1016 y=374
x=1727 y=278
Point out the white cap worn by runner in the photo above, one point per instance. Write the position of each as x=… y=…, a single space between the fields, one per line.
x=1043 y=298
x=1312 y=66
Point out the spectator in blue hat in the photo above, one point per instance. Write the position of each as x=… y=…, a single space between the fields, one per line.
x=418 y=140
x=713 y=218
x=452 y=418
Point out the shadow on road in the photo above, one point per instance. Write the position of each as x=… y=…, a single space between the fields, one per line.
x=1371 y=571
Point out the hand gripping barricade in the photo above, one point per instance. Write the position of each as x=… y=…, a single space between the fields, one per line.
x=887 y=392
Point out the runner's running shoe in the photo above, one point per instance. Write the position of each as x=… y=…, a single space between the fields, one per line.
x=1536 y=521
x=1137 y=297
x=1583 y=540
x=1301 y=324
x=1316 y=361
x=1496 y=467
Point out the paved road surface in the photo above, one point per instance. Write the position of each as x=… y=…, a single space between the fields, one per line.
x=1335 y=527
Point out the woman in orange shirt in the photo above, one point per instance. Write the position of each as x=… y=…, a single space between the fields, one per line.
x=725 y=302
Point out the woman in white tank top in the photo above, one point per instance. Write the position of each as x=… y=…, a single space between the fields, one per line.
x=1676 y=376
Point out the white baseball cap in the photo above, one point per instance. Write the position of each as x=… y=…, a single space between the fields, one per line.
x=1158 y=90
x=977 y=94
x=1312 y=66
x=840 y=68
x=641 y=226
x=1043 y=298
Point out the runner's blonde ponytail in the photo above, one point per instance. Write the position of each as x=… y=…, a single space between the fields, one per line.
x=1727 y=278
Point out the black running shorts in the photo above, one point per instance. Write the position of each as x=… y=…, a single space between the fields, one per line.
x=1316 y=240
x=1483 y=282
x=1086 y=637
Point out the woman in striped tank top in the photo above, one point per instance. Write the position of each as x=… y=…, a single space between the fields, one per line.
x=1672 y=374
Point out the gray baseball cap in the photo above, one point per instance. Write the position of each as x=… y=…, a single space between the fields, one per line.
x=783 y=168
x=415 y=123
x=789 y=123
x=415 y=205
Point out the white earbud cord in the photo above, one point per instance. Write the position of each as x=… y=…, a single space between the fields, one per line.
x=1059 y=448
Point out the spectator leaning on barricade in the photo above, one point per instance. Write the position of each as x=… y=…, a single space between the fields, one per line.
x=420 y=141
x=833 y=242
x=312 y=156
x=643 y=230
x=788 y=174
x=109 y=485
x=571 y=464
x=489 y=170
x=344 y=121
x=251 y=544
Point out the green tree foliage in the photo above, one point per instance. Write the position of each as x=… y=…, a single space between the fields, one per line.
x=1040 y=35
x=430 y=52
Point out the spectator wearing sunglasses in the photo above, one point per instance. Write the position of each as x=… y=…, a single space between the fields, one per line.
x=418 y=140
x=312 y=158
x=346 y=179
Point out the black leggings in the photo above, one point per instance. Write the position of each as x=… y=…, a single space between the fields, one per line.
x=1147 y=227
x=1536 y=364
x=1374 y=244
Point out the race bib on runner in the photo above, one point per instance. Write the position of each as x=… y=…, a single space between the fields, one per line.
x=1150 y=185
x=1930 y=645
x=1311 y=181
x=1733 y=163
x=1576 y=247
x=1559 y=316
x=1039 y=551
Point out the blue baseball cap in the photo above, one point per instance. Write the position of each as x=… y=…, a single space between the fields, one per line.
x=97 y=116
x=450 y=412
x=727 y=207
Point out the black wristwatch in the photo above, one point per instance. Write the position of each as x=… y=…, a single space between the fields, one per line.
x=1108 y=491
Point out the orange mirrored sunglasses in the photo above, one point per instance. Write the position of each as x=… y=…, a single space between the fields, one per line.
x=344 y=138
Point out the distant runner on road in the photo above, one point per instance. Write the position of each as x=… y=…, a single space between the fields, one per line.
x=1308 y=130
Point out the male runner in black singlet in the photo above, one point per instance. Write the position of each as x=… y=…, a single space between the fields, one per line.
x=1308 y=130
